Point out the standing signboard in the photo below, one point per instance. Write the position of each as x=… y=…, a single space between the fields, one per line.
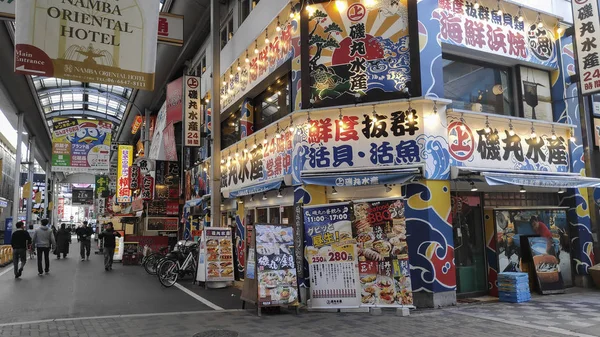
x=111 y=42
x=379 y=228
x=276 y=267
x=547 y=265
x=192 y=108
x=124 y=160
x=80 y=145
x=587 y=37
x=219 y=254
x=331 y=255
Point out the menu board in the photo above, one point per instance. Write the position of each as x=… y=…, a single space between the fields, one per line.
x=219 y=254
x=379 y=228
x=332 y=256
x=277 y=280
x=162 y=224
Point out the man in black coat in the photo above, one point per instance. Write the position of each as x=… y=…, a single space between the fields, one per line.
x=84 y=236
x=109 y=235
x=20 y=240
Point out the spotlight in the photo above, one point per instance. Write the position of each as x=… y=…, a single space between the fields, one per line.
x=561 y=191
x=333 y=190
x=264 y=196
x=388 y=188
x=473 y=187
x=522 y=189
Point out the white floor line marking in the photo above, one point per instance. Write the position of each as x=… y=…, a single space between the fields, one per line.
x=7 y=270
x=198 y=297
x=203 y=312
x=527 y=325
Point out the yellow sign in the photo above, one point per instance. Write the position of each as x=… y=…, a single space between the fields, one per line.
x=26 y=190
x=124 y=161
x=38 y=197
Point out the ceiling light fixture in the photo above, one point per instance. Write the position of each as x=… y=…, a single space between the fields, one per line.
x=388 y=188
x=279 y=194
x=476 y=6
x=511 y=132
x=278 y=28
x=333 y=190
x=264 y=196
x=522 y=189
x=561 y=191
x=520 y=14
x=473 y=187
x=498 y=10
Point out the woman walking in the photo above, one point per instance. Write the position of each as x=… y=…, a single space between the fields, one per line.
x=63 y=241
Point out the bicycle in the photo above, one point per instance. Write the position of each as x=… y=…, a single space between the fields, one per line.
x=150 y=262
x=170 y=269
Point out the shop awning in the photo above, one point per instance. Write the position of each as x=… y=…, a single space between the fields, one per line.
x=254 y=189
x=531 y=179
x=368 y=177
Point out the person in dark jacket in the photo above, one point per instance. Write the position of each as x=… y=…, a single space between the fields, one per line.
x=109 y=236
x=63 y=240
x=20 y=240
x=84 y=236
x=44 y=241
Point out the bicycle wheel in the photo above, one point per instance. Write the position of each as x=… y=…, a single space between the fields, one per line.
x=151 y=263
x=168 y=272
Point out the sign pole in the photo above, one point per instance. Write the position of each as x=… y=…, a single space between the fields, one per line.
x=17 y=174
x=215 y=198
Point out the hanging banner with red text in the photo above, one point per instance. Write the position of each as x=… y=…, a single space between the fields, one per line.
x=111 y=42
x=587 y=38
x=192 y=111
x=124 y=161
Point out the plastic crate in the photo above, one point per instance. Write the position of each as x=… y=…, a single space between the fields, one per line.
x=514 y=297
x=512 y=277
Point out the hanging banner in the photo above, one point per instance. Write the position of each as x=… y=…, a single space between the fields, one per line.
x=146 y=165
x=277 y=280
x=379 y=228
x=498 y=143
x=483 y=29
x=135 y=177
x=332 y=257
x=101 y=185
x=80 y=145
x=587 y=37
x=124 y=160
x=60 y=209
x=111 y=42
x=192 y=111
x=219 y=254
x=170 y=29
x=101 y=202
x=157 y=151
x=174 y=101
x=147 y=188
x=137 y=123
x=170 y=144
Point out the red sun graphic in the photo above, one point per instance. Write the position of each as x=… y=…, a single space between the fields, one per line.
x=373 y=51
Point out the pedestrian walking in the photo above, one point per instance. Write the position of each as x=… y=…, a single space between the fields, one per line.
x=31 y=231
x=109 y=235
x=20 y=240
x=84 y=235
x=43 y=241
x=63 y=240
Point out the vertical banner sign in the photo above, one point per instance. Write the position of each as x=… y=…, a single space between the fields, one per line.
x=124 y=160
x=219 y=254
x=137 y=123
x=174 y=101
x=101 y=206
x=379 y=228
x=331 y=255
x=277 y=280
x=61 y=208
x=587 y=38
x=110 y=41
x=101 y=185
x=148 y=187
x=192 y=111
x=80 y=145
x=135 y=177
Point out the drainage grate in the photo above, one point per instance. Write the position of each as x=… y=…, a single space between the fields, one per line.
x=217 y=333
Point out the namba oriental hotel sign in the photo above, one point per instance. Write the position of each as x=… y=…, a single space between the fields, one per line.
x=111 y=42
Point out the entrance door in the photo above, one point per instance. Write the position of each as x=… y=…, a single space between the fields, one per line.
x=469 y=247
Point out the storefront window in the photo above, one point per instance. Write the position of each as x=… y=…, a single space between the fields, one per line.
x=537 y=98
x=274 y=216
x=272 y=104
x=477 y=87
x=230 y=129
x=261 y=215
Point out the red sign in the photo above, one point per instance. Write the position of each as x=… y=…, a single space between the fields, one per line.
x=462 y=143
x=174 y=101
x=137 y=123
x=163 y=26
x=169 y=143
x=61 y=208
x=356 y=12
x=172 y=208
x=148 y=188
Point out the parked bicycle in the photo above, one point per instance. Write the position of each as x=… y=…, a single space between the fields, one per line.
x=150 y=261
x=177 y=264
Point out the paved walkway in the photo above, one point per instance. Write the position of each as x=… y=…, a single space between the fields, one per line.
x=81 y=299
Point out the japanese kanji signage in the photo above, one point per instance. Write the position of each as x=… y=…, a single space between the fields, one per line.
x=80 y=145
x=502 y=144
x=219 y=254
x=124 y=161
x=331 y=255
x=111 y=42
x=147 y=187
x=361 y=137
x=587 y=39
x=350 y=55
x=192 y=110
x=135 y=177
x=281 y=47
x=170 y=29
x=485 y=29
x=101 y=185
